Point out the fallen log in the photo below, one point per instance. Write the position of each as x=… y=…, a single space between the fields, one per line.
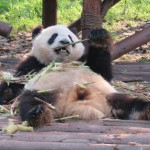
x=72 y=137
x=11 y=145
x=5 y=29
x=130 y=43
x=72 y=144
x=92 y=128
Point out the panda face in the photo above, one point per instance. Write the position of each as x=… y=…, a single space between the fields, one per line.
x=52 y=37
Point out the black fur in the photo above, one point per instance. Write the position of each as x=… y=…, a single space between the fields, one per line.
x=99 y=57
x=28 y=101
x=31 y=64
x=31 y=109
x=8 y=92
x=36 y=31
x=124 y=105
x=73 y=45
x=52 y=38
x=74 y=30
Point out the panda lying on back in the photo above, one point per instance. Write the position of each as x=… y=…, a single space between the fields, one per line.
x=72 y=90
x=76 y=90
x=97 y=55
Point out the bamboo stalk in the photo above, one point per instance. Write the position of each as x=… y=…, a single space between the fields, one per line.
x=59 y=47
x=66 y=118
x=48 y=90
x=47 y=104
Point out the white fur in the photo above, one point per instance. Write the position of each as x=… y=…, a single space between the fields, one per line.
x=45 y=52
x=68 y=79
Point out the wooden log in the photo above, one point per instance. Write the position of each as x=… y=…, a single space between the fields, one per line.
x=72 y=137
x=132 y=71
x=49 y=13
x=118 y=122
x=86 y=128
x=92 y=128
x=5 y=29
x=90 y=8
x=12 y=145
x=130 y=43
x=73 y=144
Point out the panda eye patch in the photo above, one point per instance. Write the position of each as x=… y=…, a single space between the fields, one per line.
x=73 y=45
x=52 y=38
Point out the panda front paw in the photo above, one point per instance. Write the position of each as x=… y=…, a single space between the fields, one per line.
x=98 y=36
x=39 y=115
x=35 y=113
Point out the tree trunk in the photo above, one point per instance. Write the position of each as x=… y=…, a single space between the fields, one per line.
x=105 y=6
x=49 y=13
x=90 y=16
x=5 y=29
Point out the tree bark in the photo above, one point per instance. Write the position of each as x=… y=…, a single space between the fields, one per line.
x=130 y=43
x=91 y=9
x=5 y=29
x=49 y=14
x=76 y=145
x=105 y=6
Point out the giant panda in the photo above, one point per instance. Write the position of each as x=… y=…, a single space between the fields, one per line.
x=82 y=90
x=76 y=90
x=96 y=55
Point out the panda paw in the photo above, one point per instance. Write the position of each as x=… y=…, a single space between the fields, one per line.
x=35 y=113
x=98 y=35
x=39 y=115
x=6 y=93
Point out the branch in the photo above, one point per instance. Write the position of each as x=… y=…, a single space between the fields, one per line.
x=130 y=43
x=106 y=5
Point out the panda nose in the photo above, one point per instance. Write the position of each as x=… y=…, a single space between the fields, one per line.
x=63 y=42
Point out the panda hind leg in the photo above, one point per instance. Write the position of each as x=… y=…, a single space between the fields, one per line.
x=85 y=109
x=125 y=106
x=37 y=113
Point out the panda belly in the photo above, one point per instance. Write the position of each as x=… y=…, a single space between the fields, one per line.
x=80 y=92
x=69 y=78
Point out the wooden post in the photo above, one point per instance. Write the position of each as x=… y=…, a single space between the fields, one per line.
x=91 y=11
x=49 y=16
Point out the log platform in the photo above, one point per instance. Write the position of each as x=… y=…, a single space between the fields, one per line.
x=108 y=134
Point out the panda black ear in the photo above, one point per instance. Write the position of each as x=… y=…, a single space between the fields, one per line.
x=74 y=30
x=36 y=31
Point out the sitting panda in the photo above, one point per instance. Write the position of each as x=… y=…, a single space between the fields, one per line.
x=45 y=41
